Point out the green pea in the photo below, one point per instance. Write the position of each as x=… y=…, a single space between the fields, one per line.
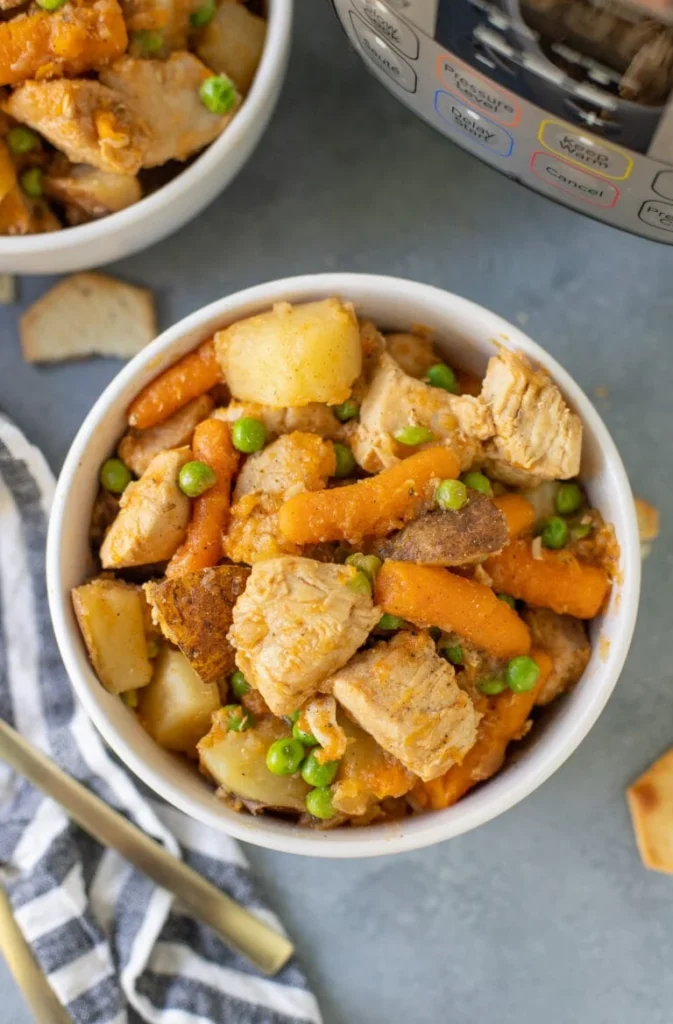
x=368 y=564
x=218 y=95
x=508 y=599
x=348 y=410
x=239 y=684
x=478 y=482
x=345 y=460
x=555 y=533
x=294 y=717
x=238 y=718
x=203 y=15
x=522 y=674
x=196 y=478
x=569 y=499
x=149 y=41
x=307 y=739
x=21 y=140
x=491 y=687
x=152 y=648
x=360 y=583
x=248 y=435
x=284 y=756
x=31 y=182
x=580 y=531
x=319 y=803
x=115 y=476
x=317 y=774
x=451 y=495
x=442 y=376
x=413 y=436
x=452 y=652
x=390 y=622
x=50 y=5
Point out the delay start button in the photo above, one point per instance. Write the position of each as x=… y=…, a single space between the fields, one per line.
x=389 y=26
x=383 y=56
x=574 y=182
x=473 y=124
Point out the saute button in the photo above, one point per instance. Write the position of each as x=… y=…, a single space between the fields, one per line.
x=389 y=26
x=383 y=56
x=657 y=214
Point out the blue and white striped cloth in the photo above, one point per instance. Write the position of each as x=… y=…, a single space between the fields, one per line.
x=111 y=943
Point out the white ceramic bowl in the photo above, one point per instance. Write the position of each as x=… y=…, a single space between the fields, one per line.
x=172 y=205
x=466 y=333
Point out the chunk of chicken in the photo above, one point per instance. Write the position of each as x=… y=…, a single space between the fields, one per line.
x=413 y=352
x=565 y=640
x=153 y=515
x=232 y=43
x=85 y=120
x=164 y=96
x=373 y=345
x=297 y=622
x=459 y=537
x=137 y=448
x=395 y=400
x=320 y=716
x=295 y=462
x=407 y=698
x=79 y=36
x=314 y=418
x=170 y=18
x=534 y=428
x=94 y=192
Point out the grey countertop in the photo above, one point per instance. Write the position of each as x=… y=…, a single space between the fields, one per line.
x=545 y=913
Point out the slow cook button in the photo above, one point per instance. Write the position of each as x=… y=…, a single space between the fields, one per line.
x=383 y=56
x=583 y=151
x=573 y=181
x=473 y=124
x=389 y=26
x=657 y=214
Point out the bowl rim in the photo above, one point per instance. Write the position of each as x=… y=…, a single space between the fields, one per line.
x=501 y=792
x=256 y=102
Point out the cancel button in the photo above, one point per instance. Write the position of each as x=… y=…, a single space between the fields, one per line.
x=585 y=187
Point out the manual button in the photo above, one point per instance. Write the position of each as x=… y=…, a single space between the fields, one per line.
x=389 y=26
x=573 y=181
x=383 y=56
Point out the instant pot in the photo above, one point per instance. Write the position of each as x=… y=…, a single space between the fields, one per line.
x=573 y=98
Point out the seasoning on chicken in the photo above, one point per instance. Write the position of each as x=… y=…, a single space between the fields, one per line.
x=153 y=515
x=414 y=353
x=137 y=448
x=94 y=193
x=321 y=717
x=566 y=641
x=297 y=623
x=406 y=696
x=314 y=418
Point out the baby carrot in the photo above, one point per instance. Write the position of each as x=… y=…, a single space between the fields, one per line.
x=191 y=376
x=518 y=512
x=203 y=545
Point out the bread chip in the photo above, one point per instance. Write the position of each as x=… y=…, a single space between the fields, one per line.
x=650 y=801
x=88 y=314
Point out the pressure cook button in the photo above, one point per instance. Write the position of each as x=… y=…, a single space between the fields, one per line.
x=663 y=184
x=383 y=56
x=657 y=214
x=574 y=182
x=389 y=26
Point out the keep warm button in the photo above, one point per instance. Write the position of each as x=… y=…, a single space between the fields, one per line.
x=574 y=182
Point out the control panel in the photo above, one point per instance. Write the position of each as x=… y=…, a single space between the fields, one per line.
x=567 y=162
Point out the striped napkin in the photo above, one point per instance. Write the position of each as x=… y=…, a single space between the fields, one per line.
x=112 y=944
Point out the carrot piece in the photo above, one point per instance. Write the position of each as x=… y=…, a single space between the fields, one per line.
x=203 y=545
x=504 y=719
x=518 y=512
x=555 y=580
x=47 y=44
x=373 y=507
x=430 y=596
x=191 y=376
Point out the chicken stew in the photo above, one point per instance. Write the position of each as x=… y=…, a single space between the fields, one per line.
x=103 y=100
x=339 y=574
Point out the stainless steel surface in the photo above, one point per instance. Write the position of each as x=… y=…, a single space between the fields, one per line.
x=264 y=947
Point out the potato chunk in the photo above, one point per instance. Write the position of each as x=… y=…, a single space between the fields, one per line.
x=194 y=612
x=237 y=763
x=292 y=355
x=177 y=706
x=233 y=42
x=110 y=616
